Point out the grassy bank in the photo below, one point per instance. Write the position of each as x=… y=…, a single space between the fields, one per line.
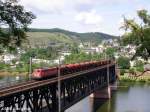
x=6 y=73
x=144 y=78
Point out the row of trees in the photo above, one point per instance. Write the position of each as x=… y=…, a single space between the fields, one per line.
x=82 y=57
x=77 y=55
x=23 y=65
x=48 y=53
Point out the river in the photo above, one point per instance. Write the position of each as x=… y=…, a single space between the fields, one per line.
x=8 y=80
x=130 y=97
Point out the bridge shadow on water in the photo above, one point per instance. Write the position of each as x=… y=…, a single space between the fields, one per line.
x=104 y=105
x=98 y=103
x=88 y=104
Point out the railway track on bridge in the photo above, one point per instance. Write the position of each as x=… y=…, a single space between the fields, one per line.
x=34 y=83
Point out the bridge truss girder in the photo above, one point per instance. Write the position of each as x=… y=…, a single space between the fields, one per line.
x=46 y=97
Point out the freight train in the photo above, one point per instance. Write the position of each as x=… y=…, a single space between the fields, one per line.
x=67 y=69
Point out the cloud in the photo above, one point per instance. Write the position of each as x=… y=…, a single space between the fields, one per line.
x=56 y=6
x=85 y=1
x=44 y=5
x=90 y=21
x=88 y=18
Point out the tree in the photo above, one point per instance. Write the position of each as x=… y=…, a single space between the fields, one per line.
x=26 y=56
x=40 y=53
x=138 y=34
x=123 y=62
x=16 y=20
x=110 y=52
x=75 y=49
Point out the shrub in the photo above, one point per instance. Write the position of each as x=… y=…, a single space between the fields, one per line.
x=139 y=63
x=139 y=66
x=131 y=70
x=140 y=69
x=122 y=71
x=2 y=65
x=123 y=62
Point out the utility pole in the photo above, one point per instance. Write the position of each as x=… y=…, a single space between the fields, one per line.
x=59 y=87
x=105 y=55
x=109 y=93
x=30 y=67
x=107 y=74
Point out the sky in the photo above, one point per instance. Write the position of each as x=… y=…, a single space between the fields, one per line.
x=84 y=15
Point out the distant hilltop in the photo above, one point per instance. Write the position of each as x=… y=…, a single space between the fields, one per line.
x=46 y=36
x=82 y=36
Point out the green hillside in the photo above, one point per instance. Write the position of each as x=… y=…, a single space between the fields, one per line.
x=84 y=37
x=47 y=38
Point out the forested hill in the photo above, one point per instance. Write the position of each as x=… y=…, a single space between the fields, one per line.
x=84 y=37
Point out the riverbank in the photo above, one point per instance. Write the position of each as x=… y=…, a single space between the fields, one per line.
x=6 y=73
x=131 y=78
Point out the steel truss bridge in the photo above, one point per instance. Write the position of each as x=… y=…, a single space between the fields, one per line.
x=42 y=95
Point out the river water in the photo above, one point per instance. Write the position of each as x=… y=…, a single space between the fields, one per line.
x=130 y=97
x=12 y=80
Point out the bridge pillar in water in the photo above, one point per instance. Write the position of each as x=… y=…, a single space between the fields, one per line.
x=113 y=87
x=104 y=93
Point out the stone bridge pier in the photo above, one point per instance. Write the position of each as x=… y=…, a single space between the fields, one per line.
x=104 y=93
x=99 y=97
